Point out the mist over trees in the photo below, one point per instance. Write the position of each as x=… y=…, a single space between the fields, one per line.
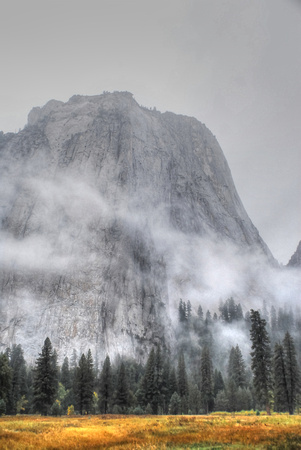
x=198 y=376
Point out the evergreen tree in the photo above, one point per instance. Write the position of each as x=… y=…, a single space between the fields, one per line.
x=158 y=398
x=84 y=383
x=218 y=382
x=173 y=384
x=122 y=390
x=223 y=309
x=231 y=395
x=236 y=367
x=221 y=401
x=206 y=380
x=200 y=313
x=243 y=400
x=166 y=385
x=18 y=384
x=291 y=371
x=273 y=319
x=280 y=385
x=194 y=399
x=231 y=310
x=182 y=311
x=65 y=374
x=189 y=309
x=182 y=376
x=105 y=385
x=175 y=404
x=239 y=313
x=45 y=379
x=5 y=380
x=149 y=379
x=261 y=359
x=55 y=367
x=208 y=319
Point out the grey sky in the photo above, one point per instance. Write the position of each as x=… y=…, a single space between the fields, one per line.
x=233 y=64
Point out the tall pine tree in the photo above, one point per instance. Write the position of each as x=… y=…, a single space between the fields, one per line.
x=280 y=385
x=84 y=383
x=19 y=384
x=45 y=379
x=261 y=359
x=291 y=370
x=105 y=385
x=122 y=390
x=206 y=380
x=236 y=367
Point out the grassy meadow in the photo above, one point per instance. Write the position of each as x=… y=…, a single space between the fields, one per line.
x=216 y=431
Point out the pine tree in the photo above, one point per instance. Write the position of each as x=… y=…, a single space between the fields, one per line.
x=239 y=313
x=65 y=374
x=122 y=391
x=173 y=384
x=231 y=310
x=18 y=385
x=218 y=382
x=182 y=311
x=200 y=313
x=175 y=404
x=84 y=383
x=236 y=367
x=189 y=309
x=5 y=380
x=148 y=383
x=89 y=381
x=194 y=399
x=261 y=359
x=45 y=379
x=105 y=385
x=291 y=370
x=158 y=398
x=206 y=380
x=280 y=385
x=182 y=376
x=231 y=395
x=208 y=319
x=223 y=309
x=166 y=385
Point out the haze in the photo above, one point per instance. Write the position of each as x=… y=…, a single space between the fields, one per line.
x=235 y=66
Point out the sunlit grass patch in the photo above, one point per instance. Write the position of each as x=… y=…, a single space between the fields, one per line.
x=162 y=432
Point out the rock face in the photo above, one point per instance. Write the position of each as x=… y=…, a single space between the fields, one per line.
x=103 y=204
x=295 y=260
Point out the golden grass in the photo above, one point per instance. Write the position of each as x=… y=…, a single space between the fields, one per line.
x=217 y=431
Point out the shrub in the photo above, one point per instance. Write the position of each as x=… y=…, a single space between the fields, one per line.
x=70 y=411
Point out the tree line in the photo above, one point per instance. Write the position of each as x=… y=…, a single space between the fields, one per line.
x=190 y=381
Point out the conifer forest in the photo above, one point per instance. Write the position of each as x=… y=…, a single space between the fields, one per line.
x=196 y=377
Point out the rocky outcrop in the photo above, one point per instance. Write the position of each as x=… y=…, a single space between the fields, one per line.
x=295 y=260
x=105 y=206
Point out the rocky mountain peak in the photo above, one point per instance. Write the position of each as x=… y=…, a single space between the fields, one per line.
x=110 y=212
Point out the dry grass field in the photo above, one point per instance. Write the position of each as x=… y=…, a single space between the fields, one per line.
x=216 y=431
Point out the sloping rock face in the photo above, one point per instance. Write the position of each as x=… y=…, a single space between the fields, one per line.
x=295 y=260
x=101 y=205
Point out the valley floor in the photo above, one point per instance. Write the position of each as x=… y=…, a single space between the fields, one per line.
x=218 y=431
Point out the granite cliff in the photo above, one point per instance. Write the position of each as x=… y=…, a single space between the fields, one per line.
x=108 y=211
x=295 y=260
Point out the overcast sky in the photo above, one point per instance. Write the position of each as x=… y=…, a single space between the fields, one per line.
x=233 y=64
